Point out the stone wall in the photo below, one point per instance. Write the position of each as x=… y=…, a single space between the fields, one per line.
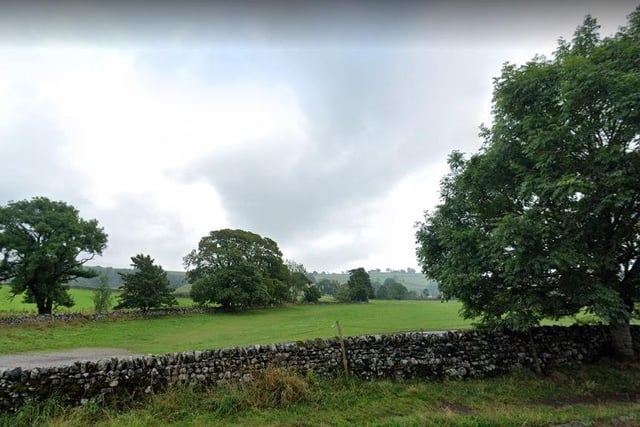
x=30 y=318
x=459 y=355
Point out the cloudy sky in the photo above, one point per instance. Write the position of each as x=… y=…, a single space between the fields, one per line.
x=323 y=125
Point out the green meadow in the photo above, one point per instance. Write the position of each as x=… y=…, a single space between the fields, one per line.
x=206 y=331
x=600 y=395
x=83 y=302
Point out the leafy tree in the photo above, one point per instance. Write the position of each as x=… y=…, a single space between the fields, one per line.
x=102 y=298
x=299 y=284
x=328 y=287
x=147 y=287
x=311 y=293
x=262 y=277
x=237 y=287
x=389 y=280
x=398 y=291
x=343 y=293
x=375 y=285
x=383 y=292
x=43 y=245
x=360 y=289
x=545 y=220
x=311 y=277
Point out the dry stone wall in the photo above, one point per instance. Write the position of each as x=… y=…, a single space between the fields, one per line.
x=418 y=355
x=29 y=318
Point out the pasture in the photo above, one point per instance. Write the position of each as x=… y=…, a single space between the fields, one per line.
x=83 y=302
x=205 y=331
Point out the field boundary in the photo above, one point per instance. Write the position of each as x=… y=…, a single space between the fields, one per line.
x=418 y=355
x=112 y=315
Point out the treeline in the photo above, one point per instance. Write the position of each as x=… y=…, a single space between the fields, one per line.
x=417 y=285
x=44 y=245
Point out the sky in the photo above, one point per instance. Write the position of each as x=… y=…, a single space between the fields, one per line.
x=323 y=125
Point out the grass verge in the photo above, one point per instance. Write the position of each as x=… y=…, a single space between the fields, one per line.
x=607 y=393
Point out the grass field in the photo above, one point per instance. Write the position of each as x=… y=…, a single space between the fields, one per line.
x=83 y=302
x=592 y=395
x=203 y=331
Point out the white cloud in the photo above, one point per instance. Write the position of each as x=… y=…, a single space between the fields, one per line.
x=327 y=132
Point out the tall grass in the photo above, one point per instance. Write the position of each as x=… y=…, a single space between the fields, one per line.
x=598 y=395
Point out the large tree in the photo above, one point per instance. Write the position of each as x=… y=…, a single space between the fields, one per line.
x=359 y=285
x=545 y=220
x=147 y=287
x=43 y=245
x=237 y=269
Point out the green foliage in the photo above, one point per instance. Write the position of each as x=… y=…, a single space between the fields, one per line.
x=383 y=292
x=147 y=287
x=237 y=269
x=327 y=286
x=398 y=291
x=299 y=284
x=102 y=298
x=44 y=244
x=343 y=293
x=544 y=221
x=412 y=281
x=236 y=287
x=359 y=284
x=311 y=294
x=394 y=290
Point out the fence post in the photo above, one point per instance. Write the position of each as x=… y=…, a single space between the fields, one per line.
x=344 y=351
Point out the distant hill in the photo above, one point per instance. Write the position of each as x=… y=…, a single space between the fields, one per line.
x=412 y=281
x=176 y=278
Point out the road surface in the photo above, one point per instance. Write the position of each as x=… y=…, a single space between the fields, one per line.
x=60 y=358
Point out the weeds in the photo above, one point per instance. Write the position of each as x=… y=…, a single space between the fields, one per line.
x=595 y=394
x=33 y=414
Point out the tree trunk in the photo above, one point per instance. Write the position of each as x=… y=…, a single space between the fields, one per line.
x=44 y=305
x=534 y=353
x=621 y=340
x=42 y=309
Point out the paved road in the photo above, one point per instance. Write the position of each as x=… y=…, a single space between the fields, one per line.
x=60 y=358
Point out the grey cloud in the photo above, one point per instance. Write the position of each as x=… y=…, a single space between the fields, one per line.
x=135 y=224
x=375 y=117
x=32 y=164
x=285 y=23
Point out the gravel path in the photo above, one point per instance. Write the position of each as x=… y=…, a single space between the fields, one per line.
x=60 y=358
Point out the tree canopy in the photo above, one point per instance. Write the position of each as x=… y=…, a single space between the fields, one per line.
x=359 y=285
x=43 y=245
x=147 y=287
x=237 y=269
x=545 y=220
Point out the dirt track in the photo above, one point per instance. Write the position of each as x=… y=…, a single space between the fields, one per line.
x=60 y=358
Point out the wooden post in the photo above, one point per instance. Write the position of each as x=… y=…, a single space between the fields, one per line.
x=344 y=351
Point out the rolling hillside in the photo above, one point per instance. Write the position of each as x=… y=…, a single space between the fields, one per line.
x=412 y=281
